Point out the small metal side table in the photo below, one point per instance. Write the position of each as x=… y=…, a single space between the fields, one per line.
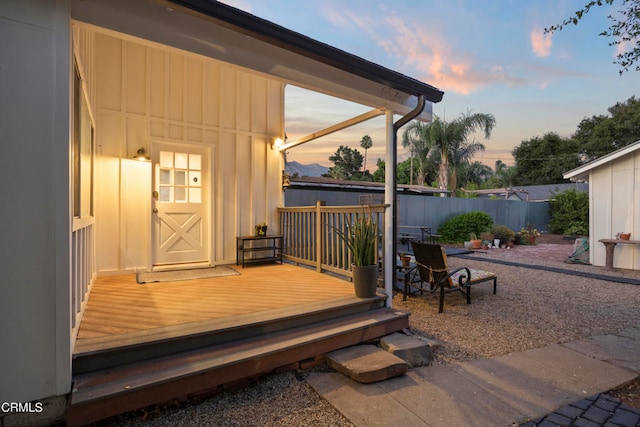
x=406 y=278
x=269 y=250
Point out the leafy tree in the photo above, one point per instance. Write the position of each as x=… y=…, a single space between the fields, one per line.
x=366 y=143
x=569 y=211
x=600 y=135
x=347 y=162
x=449 y=140
x=543 y=160
x=624 y=29
x=379 y=174
x=404 y=171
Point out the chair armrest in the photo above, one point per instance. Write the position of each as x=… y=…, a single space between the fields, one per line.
x=461 y=281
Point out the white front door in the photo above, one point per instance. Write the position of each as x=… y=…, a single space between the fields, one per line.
x=180 y=205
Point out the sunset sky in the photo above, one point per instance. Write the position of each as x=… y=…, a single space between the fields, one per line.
x=487 y=56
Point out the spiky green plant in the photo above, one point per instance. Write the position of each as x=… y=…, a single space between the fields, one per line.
x=360 y=238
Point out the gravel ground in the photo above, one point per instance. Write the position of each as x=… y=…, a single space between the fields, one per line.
x=533 y=308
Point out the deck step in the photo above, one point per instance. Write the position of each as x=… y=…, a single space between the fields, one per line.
x=105 y=352
x=105 y=393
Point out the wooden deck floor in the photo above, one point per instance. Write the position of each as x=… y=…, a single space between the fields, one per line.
x=119 y=305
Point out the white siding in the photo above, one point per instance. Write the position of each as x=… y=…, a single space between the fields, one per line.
x=614 y=208
x=146 y=94
x=35 y=247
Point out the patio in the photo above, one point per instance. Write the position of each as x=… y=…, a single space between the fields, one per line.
x=532 y=308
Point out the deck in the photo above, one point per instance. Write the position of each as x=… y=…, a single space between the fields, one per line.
x=142 y=344
x=118 y=305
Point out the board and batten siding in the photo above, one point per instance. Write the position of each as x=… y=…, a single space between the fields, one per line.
x=614 y=199
x=35 y=71
x=147 y=93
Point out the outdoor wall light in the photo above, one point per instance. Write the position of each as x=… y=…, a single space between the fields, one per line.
x=142 y=155
x=286 y=180
x=276 y=143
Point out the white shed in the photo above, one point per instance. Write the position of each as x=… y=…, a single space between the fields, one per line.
x=614 y=203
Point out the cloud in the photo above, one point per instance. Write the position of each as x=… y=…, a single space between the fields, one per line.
x=431 y=54
x=425 y=50
x=540 y=42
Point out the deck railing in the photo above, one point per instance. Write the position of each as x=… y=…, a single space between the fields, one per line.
x=309 y=235
x=82 y=267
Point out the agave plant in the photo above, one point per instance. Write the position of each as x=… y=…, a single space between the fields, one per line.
x=360 y=237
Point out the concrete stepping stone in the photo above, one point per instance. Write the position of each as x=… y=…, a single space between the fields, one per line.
x=416 y=351
x=366 y=363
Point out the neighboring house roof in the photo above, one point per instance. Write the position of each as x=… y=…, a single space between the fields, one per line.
x=582 y=173
x=531 y=193
x=332 y=183
x=292 y=41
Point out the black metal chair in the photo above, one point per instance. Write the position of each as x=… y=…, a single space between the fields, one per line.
x=432 y=268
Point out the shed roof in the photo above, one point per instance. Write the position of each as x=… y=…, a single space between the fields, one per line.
x=582 y=173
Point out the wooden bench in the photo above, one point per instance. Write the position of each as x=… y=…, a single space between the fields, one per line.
x=610 y=244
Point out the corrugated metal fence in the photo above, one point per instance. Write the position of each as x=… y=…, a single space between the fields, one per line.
x=426 y=210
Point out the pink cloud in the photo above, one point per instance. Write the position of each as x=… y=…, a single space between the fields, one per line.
x=540 y=42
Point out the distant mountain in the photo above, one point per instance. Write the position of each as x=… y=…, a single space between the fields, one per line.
x=306 y=170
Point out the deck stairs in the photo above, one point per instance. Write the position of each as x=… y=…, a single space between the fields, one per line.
x=122 y=373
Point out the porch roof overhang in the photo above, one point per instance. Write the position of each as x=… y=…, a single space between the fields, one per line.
x=219 y=31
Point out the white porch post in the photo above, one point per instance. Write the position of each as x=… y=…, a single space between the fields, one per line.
x=389 y=171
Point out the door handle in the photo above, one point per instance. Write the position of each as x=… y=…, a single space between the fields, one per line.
x=155 y=210
x=155 y=195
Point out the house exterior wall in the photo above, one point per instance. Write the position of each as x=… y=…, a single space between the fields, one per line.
x=147 y=93
x=614 y=200
x=35 y=360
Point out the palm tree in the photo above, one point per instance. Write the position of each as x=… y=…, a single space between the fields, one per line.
x=474 y=173
x=414 y=138
x=365 y=143
x=449 y=140
x=460 y=153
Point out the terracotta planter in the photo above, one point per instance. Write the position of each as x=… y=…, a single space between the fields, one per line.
x=476 y=244
x=406 y=260
x=365 y=280
x=623 y=236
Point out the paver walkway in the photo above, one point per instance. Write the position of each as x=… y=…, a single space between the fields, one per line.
x=549 y=386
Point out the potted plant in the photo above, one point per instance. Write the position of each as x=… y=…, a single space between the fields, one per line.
x=360 y=237
x=503 y=234
x=261 y=229
x=405 y=258
x=528 y=235
x=475 y=242
x=487 y=239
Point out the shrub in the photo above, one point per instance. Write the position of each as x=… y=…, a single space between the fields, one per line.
x=503 y=232
x=569 y=211
x=458 y=228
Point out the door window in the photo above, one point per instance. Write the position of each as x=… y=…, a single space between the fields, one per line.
x=180 y=178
